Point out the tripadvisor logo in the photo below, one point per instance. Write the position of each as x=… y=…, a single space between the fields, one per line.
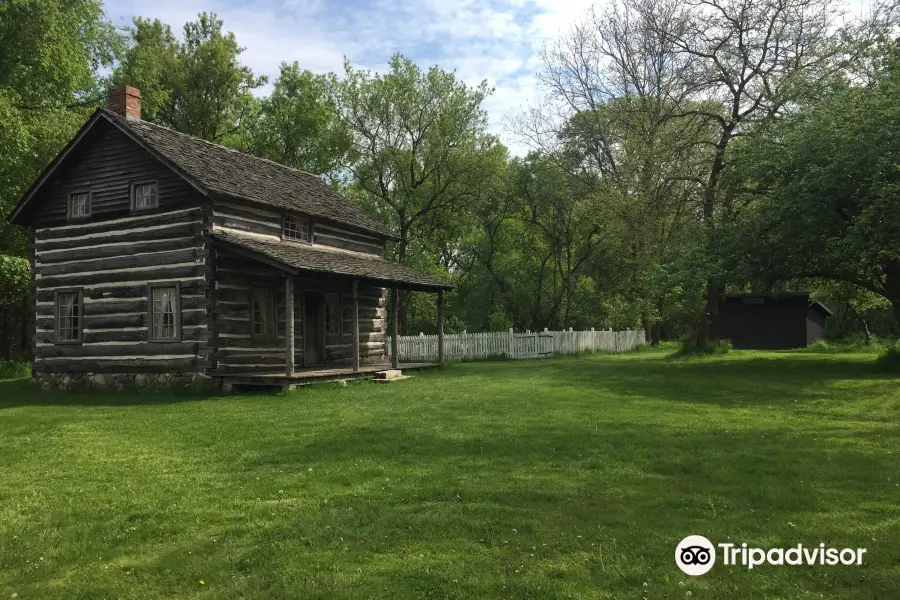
x=696 y=555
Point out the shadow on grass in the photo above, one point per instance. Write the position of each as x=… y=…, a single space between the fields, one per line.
x=645 y=485
x=23 y=392
x=725 y=381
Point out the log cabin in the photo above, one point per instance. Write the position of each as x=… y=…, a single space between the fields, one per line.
x=156 y=253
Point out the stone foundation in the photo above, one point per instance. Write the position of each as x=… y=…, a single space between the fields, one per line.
x=153 y=381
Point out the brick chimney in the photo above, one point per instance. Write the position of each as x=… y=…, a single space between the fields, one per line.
x=126 y=101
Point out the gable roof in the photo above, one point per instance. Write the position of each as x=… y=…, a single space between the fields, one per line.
x=217 y=171
x=296 y=258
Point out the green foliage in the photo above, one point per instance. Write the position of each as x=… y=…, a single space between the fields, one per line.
x=419 y=151
x=419 y=156
x=15 y=282
x=50 y=52
x=688 y=346
x=297 y=125
x=889 y=360
x=826 y=183
x=646 y=190
x=15 y=369
x=197 y=86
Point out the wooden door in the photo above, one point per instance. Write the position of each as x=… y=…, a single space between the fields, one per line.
x=313 y=329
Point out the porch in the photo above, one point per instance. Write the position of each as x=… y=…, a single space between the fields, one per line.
x=324 y=312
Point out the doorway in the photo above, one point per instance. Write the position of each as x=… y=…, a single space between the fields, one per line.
x=313 y=329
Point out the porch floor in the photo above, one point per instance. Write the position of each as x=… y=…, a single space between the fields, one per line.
x=305 y=376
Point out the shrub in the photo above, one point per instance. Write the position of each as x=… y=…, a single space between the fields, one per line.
x=14 y=369
x=689 y=347
x=889 y=360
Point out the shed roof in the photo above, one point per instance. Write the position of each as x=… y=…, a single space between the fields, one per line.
x=296 y=257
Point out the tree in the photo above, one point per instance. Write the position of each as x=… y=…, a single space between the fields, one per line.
x=532 y=240
x=418 y=153
x=197 y=86
x=826 y=183
x=753 y=60
x=297 y=125
x=50 y=53
x=614 y=120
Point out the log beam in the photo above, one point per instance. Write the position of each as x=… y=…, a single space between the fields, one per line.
x=395 y=360
x=289 y=326
x=440 y=326
x=355 y=350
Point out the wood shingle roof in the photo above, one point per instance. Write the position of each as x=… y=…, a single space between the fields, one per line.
x=297 y=257
x=231 y=173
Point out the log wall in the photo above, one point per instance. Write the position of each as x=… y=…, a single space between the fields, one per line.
x=113 y=262
x=107 y=164
x=244 y=217
x=237 y=351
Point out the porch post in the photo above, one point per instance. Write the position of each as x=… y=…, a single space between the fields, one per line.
x=395 y=360
x=440 y=325
x=355 y=344
x=289 y=326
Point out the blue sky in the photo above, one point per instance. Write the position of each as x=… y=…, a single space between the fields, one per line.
x=480 y=39
x=497 y=41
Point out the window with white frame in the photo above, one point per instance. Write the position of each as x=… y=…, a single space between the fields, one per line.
x=68 y=316
x=144 y=196
x=262 y=312
x=164 y=308
x=333 y=313
x=79 y=204
x=296 y=228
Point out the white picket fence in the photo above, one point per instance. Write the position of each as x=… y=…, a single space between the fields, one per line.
x=468 y=346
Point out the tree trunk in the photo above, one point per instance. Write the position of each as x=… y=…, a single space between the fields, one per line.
x=403 y=296
x=862 y=320
x=708 y=327
x=892 y=287
x=656 y=329
x=5 y=335
x=645 y=324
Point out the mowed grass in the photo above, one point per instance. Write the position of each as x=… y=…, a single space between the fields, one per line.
x=565 y=478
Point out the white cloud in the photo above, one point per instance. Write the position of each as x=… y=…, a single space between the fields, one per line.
x=495 y=41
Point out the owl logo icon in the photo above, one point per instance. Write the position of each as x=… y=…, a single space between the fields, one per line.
x=695 y=555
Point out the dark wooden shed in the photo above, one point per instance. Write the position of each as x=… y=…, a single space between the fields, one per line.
x=773 y=321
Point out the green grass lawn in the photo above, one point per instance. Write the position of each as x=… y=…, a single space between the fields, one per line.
x=566 y=478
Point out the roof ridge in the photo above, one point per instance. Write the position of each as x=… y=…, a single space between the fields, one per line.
x=223 y=147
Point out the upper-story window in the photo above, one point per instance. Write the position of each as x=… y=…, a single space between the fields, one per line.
x=296 y=228
x=79 y=204
x=144 y=195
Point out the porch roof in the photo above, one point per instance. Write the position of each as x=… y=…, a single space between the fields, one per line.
x=296 y=258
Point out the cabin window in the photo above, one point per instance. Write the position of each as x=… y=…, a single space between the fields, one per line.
x=296 y=228
x=262 y=307
x=79 y=205
x=68 y=316
x=164 y=312
x=333 y=313
x=144 y=195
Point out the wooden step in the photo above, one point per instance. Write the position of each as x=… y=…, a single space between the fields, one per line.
x=389 y=374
